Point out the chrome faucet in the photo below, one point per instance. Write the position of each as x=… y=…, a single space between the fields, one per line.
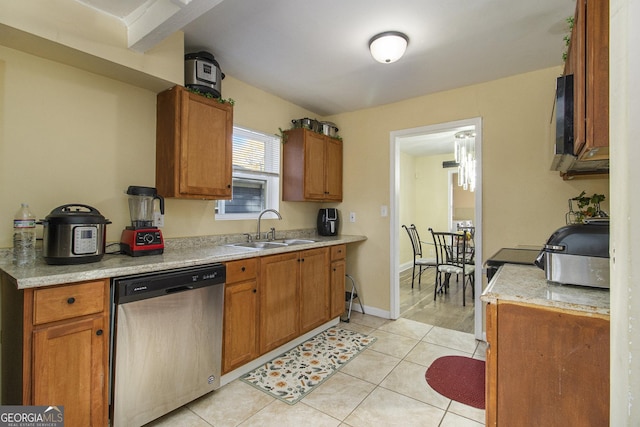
x=260 y=217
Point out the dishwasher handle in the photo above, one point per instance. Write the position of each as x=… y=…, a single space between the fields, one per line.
x=178 y=289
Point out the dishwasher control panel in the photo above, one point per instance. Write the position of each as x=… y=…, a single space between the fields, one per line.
x=139 y=287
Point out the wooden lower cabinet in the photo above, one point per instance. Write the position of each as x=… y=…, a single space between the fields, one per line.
x=240 y=314
x=337 y=280
x=274 y=299
x=69 y=369
x=279 y=300
x=294 y=295
x=546 y=367
x=63 y=332
x=314 y=288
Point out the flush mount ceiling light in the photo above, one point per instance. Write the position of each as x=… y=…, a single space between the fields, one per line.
x=388 y=47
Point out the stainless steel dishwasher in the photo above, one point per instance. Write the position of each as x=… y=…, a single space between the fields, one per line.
x=167 y=341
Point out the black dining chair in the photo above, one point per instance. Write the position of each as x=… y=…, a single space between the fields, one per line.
x=419 y=262
x=454 y=255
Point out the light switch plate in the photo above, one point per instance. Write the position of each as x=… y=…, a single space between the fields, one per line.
x=384 y=210
x=352 y=217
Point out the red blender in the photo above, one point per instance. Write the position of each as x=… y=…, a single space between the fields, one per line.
x=141 y=237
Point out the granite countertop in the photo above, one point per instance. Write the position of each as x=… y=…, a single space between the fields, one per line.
x=178 y=253
x=527 y=284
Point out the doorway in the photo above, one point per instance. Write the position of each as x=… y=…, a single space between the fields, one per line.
x=426 y=139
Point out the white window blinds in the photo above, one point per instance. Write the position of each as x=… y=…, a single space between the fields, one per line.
x=255 y=152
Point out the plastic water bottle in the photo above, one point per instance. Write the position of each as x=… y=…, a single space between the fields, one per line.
x=24 y=237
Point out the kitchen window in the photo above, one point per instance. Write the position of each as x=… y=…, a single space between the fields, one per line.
x=256 y=175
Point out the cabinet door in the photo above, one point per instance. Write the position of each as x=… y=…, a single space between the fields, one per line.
x=279 y=300
x=338 y=271
x=193 y=146
x=314 y=288
x=597 y=62
x=240 y=325
x=588 y=61
x=314 y=166
x=205 y=155
x=333 y=169
x=70 y=369
x=552 y=359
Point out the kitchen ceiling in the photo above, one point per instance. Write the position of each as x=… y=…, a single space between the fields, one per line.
x=315 y=54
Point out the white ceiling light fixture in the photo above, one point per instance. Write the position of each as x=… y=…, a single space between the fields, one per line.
x=389 y=46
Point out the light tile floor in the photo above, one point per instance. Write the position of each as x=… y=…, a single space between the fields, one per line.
x=382 y=386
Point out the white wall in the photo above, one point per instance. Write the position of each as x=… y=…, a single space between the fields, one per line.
x=625 y=212
x=524 y=202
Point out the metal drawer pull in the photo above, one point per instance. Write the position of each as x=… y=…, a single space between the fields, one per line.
x=71 y=300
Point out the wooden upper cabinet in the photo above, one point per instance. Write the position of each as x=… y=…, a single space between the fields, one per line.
x=194 y=148
x=312 y=167
x=588 y=61
x=333 y=167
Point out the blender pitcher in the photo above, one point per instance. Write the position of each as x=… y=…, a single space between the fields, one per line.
x=141 y=201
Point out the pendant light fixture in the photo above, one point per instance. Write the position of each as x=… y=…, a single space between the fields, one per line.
x=388 y=47
x=465 y=156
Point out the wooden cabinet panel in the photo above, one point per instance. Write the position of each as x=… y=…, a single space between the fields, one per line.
x=279 y=300
x=241 y=309
x=240 y=324
x=597 y=62
x=311 y=167
x=314 y=166
x=333 y=177
x=242 y=270
x=65 y=302
x=491 y=365
x=337 y=284
x=588 y=61
x=193 y=146
x=273 y=299
x=546 y=367
x=314 y=288
x=338 y=272
x=338 y=252
x=70 y=366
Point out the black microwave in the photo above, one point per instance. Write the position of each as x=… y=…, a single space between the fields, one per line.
x=563 y=147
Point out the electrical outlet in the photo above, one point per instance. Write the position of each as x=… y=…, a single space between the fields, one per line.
x=352 y=217
x=158 y=219
x=384 y=210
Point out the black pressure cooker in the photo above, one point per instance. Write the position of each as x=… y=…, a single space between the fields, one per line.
x=74 y=234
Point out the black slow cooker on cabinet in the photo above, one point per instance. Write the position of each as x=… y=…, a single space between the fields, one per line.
x=74 y=234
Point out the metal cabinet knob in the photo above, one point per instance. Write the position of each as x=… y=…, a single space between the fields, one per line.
x=71 y=300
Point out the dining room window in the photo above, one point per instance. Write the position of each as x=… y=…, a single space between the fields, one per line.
x=256 y=175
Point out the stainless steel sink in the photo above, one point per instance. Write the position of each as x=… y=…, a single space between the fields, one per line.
x=258 y=245
x=296 y=241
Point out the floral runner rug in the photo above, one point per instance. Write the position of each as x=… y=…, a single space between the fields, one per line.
x=294 y=374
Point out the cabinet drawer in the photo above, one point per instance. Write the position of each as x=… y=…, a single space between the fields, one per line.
x=244 y=269
x=65 y=302
x=338 y=252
